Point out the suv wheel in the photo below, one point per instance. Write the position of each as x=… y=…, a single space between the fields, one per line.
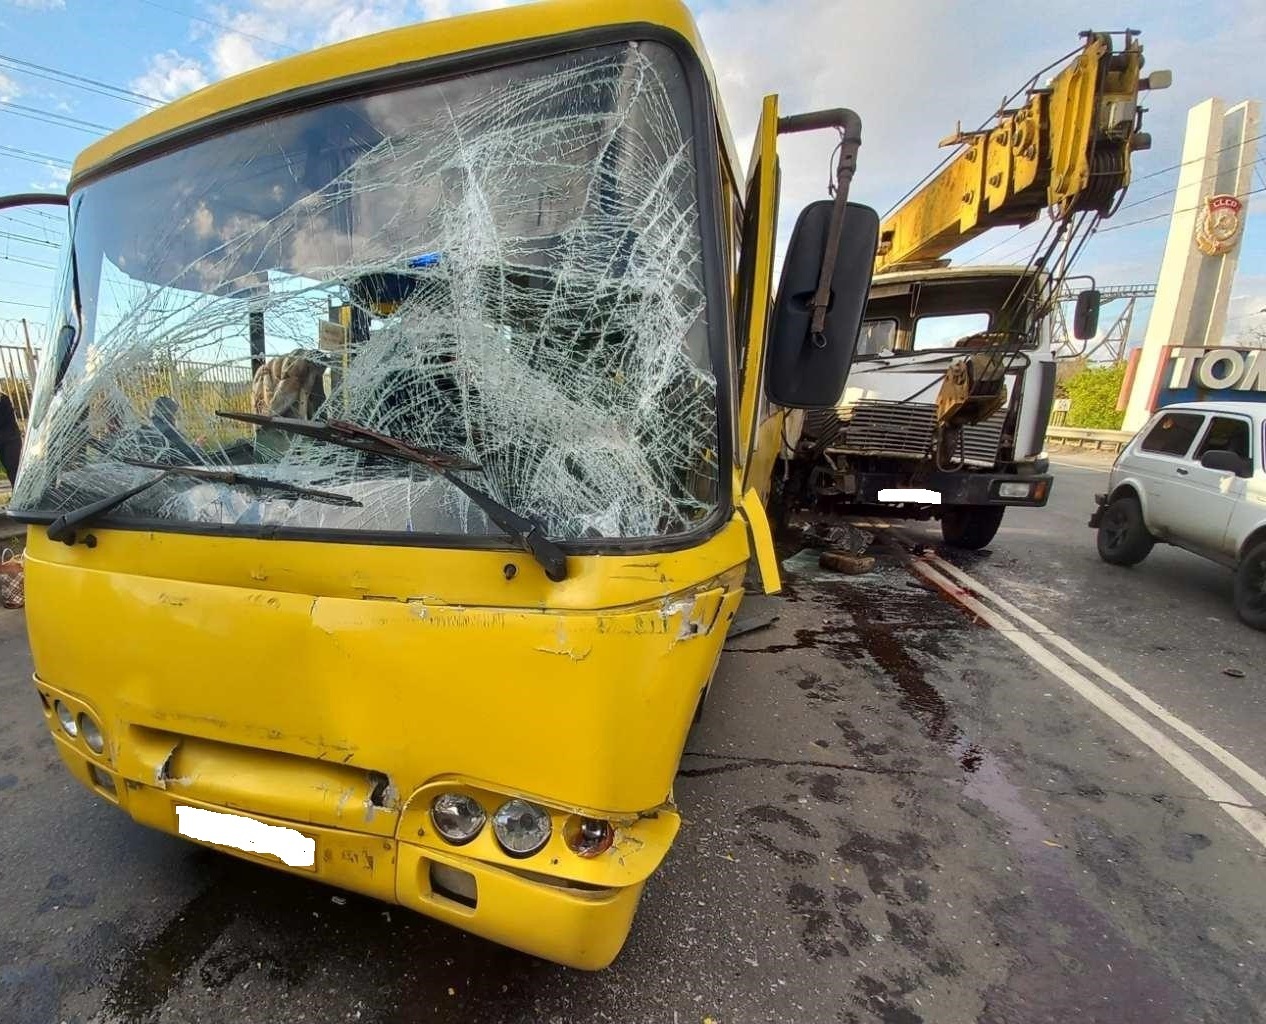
x=970 y=526
x=1123 y=538
x=1250 y=586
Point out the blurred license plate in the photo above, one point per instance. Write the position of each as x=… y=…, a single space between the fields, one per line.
x=238 y=832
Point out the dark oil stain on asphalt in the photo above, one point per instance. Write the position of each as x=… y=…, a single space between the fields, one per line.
x=252 y=919
x=891 y=641
x=880 y=631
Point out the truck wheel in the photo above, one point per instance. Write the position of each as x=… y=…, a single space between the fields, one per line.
x=970 y=526
x=1123 y=538
x=1250 y=587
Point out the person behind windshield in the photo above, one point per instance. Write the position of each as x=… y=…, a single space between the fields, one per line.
x=10 y=439
x=163 y=414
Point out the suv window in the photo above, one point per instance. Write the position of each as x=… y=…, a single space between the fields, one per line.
x=1172 y=434
x=1225 y=434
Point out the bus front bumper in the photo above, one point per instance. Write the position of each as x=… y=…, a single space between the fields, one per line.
x=569 y=923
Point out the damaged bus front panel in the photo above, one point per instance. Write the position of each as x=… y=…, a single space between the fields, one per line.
x=334 y=656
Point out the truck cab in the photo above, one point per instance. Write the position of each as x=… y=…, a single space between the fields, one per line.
x=882 y=435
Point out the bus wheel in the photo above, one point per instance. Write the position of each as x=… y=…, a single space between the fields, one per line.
x=970 y=526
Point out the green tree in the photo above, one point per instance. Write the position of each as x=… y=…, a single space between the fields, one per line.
x=1094 y=392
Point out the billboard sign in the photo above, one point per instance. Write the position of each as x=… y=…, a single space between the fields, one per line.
x=1219 y=372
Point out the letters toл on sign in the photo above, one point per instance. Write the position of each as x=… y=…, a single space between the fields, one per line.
x=1191 y=373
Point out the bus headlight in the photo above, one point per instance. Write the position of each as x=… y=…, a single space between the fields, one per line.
x=66 y=717
x=457 y=817
x=520 y=827
x=91 y=733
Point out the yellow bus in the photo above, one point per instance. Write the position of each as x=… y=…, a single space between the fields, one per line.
x=396 y=457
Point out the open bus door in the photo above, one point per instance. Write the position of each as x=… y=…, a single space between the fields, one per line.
x=759 y=424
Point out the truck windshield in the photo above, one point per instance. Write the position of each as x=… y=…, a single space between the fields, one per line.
x=504 y=267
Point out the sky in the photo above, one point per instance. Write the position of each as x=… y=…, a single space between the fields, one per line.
x=911 y=68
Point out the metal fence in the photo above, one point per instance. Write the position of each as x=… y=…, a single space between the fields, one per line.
x=198 y=388
x=19 y=361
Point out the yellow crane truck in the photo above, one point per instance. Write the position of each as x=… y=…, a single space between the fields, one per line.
x=945 y=410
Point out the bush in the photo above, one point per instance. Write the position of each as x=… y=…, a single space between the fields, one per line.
x=1094 y=391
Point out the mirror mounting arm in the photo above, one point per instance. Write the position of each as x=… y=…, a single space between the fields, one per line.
x=34 y=199
x=849 y=125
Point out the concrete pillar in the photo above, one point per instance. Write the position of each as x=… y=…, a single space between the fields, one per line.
x=1193 y=290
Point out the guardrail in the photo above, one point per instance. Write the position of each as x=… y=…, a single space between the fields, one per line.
x=1112 y=440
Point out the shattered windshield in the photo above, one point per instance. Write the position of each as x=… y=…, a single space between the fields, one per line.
x=504 y=267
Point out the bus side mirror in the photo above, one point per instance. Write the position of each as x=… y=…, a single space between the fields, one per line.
x=1086 y=315
x=803 y=371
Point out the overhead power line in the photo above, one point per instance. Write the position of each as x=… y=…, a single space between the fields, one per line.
x=35 y=158
x=52 y=117
x=1158 y=216
x=93 y=85
x=220 y=24
x=1029 y=83
x=38 y=223
x=29 y=263
x=1171 y=191
x=1198 y=159
x=998 y=244
x=27 y=238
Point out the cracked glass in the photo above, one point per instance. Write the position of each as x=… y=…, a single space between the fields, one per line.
x=505 y=267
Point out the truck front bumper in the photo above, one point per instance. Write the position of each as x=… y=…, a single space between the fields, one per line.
x=959 y=488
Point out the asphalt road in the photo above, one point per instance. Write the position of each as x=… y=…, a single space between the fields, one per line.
x=892 y=813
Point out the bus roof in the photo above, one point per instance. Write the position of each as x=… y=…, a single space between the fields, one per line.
x=408 y=45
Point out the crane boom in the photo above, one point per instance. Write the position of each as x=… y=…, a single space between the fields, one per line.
x=1066 y=148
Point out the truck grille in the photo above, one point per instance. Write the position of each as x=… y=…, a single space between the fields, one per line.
x=903 y=430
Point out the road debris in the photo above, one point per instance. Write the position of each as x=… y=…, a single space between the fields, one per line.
x=755 y=613
x=842 y=561
x=837 y=537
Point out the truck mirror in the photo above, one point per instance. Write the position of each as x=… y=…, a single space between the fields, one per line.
x=1086 y=315
x=804 y=370
x=1227 y=462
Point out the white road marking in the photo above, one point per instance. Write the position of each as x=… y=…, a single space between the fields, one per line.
x=1249 y=775
x=1234 y=803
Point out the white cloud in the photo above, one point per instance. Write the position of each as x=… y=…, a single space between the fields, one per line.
x=9 y=89
x=38 y=5
x=169 y=75
x=909 y=67
x=54 y=180
x=232 y=54
x=912 y=69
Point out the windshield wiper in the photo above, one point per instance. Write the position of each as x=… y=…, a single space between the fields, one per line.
x=525 y=532
x=63 y=527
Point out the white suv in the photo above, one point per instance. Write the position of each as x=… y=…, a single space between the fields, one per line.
x=1194 y=477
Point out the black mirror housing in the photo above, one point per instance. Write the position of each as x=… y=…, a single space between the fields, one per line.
x=1227 y=462
x=1086 y=314
x=802 y=371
